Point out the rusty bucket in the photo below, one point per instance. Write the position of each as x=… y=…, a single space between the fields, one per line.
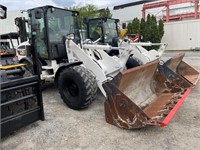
x=177 y=68
x=141 y=97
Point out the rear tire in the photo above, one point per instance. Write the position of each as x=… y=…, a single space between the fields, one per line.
x=77 y=87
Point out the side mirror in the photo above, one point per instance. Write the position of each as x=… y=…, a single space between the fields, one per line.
x=3 y=12
x=38 y=14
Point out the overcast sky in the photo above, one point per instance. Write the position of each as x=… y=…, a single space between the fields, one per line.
x=26 y=4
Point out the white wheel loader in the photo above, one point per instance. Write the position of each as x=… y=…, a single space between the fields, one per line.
x=107 y=30
x=136 y=97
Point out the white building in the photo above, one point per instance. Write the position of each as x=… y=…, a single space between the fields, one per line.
x=8 y=25
x=126 y=12
x=180 y=35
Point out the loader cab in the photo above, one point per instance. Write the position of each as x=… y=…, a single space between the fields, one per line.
x=49 y=26
x=106 y=28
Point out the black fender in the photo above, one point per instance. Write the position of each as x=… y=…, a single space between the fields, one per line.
x=39 y=60
x=26 y=59
x=63 y=66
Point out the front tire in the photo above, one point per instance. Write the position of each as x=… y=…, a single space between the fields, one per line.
x=77 y=87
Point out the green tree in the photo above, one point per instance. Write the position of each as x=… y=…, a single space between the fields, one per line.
x=161 y=28
x=155 y=36
x=147 y=29
x=142 y=28
x=90 y=11
x=105 y=13
x=136 y=26
x=150 y=30
x=130 y=28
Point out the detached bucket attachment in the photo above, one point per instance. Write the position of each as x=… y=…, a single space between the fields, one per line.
x=177 y=68
x=142 y=97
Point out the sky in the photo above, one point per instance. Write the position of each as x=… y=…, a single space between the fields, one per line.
x=27 y=4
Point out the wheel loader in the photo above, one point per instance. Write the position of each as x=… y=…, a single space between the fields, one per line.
x=135 y=98
x=21 y=99
x=105 y=31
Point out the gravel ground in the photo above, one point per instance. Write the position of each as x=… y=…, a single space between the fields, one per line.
x=65 y=128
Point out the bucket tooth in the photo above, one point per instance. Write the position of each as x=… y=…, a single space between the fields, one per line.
x=141 y=97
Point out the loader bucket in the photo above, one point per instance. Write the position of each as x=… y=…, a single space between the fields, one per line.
x=177 y=68
x=142 y=97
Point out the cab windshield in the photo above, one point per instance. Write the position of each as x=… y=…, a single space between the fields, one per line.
x=61 y=23
x=95 y=30
x=110 y=30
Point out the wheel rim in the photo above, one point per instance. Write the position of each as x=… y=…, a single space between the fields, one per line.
x=72 y=88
